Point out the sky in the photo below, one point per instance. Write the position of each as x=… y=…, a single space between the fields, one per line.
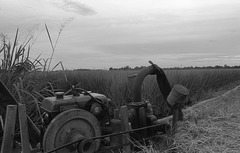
x=99 y=34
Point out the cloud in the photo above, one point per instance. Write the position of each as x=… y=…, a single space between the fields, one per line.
x=75 y=7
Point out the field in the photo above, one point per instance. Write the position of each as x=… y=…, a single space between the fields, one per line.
x=203 y=84
x=30 y=81
x=29 y=78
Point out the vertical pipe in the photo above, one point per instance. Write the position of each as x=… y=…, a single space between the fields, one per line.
x=116 y=127
x=142 y=121
x=175 y=117
x=125 y=127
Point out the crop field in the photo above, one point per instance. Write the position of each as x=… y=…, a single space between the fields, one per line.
x=117 y=86
x=202 y=83
x=29 y=88
x=30 y=81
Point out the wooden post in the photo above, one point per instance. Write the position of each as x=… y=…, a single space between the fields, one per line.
x=9 y=127
x=23 y=129
x=125 y=127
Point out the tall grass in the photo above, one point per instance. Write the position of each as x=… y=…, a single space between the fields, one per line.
x=24 y=76
x=116 y=86
x=200 y=82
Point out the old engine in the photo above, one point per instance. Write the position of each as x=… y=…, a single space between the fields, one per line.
x=68 y=118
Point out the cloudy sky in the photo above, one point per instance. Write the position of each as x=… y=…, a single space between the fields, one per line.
x=115 y=33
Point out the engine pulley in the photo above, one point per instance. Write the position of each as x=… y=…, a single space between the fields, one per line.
x=69 y=126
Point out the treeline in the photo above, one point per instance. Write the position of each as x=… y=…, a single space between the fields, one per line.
x=175 y=68
x=127 y=68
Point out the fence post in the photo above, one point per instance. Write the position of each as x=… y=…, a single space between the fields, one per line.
x=23 y=128
x=125 y=127
x=9 y=127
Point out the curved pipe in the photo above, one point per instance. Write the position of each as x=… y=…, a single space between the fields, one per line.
x=162 y=80
x=137 y=93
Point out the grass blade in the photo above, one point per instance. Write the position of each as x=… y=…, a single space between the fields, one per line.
x=13 y=48
x=50 y=39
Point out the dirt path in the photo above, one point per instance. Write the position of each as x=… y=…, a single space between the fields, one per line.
x=211 y=126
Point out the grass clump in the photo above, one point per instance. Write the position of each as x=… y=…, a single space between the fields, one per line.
x=211 y=126
x=24 y=76
x=217 y=134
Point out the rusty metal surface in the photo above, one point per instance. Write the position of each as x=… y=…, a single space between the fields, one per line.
x=67 y=124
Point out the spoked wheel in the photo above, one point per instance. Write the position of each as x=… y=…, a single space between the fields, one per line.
x=69 y=126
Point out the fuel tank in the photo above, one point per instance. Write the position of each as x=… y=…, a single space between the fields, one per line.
x=60 y=103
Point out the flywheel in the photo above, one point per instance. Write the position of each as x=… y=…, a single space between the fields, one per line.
x=69 y=126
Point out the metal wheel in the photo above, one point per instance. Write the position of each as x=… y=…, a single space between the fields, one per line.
x=69 y=126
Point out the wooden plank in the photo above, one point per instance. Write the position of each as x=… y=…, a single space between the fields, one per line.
x=23 y=128
x=6 y=98
x=125 y=127
x=8 y=135
x=1 y=120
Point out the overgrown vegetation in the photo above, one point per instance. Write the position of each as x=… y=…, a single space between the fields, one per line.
x=26 y=77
